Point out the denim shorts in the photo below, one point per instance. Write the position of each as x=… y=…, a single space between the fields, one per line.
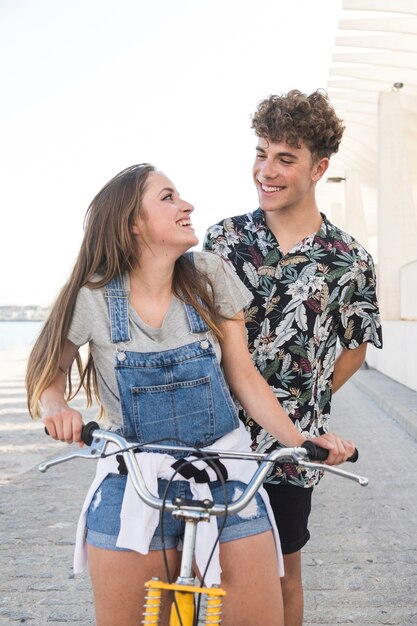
x=103 y=516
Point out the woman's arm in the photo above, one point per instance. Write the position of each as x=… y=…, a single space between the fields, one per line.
x=257 y=398
x=62 y=422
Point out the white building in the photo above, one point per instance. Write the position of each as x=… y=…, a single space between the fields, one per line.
x=372 y=181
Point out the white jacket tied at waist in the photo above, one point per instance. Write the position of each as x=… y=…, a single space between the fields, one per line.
x=138 y=521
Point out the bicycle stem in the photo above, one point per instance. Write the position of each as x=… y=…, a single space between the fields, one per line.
x=191 y=519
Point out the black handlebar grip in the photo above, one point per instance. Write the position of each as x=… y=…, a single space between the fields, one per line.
x=86 y=432
x=354 y=457
x=315 y=453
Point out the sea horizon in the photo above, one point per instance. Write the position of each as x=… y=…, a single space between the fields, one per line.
x=16 y=334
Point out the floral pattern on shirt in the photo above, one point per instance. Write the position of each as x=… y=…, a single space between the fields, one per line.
x=322 y=292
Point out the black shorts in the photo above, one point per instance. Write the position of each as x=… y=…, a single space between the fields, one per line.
x=291 y=506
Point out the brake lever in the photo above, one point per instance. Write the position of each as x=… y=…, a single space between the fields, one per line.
x=362 y=480
x=95 y=451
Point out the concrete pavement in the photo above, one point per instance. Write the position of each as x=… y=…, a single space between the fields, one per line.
x=360 y=567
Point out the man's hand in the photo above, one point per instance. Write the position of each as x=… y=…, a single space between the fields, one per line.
x=340 y=450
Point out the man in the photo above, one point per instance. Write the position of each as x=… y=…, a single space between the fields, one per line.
x=314 y=291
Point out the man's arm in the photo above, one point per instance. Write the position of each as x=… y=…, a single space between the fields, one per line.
x=347 y=363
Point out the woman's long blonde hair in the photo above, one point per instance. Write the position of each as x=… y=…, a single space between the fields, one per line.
x=108 y=249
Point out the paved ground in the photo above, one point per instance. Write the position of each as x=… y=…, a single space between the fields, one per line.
x=360 y=566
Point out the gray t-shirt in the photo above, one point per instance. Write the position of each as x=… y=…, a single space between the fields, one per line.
x=90 y=324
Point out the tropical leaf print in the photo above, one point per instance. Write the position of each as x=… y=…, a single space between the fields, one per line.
x=298 y=350
x=285 y=324
x=272 y=304
x=270 y=369
x=320 y=293
x=337 y=273
x=286 y=363
x=301 y=317
x=324 y=398
x=266 y=270
x=250 y=314
x=313 y=304
x=256 y=257
x=341 y=245
x=293 y=260
x=305 y=364
x=272 y=257
x=324 y=297
x=284 y=336
x=349 y=330
x=229 y=225
x=251 y=274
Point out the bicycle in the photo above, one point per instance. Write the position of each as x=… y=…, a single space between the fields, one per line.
x=185 y=610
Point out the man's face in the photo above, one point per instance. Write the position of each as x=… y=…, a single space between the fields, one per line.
x=284 y=176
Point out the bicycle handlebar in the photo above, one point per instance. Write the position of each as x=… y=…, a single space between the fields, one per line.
x=314 y=452
x=98 y=440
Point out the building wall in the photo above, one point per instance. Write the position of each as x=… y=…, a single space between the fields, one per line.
x=409 y=291
x=398 y=357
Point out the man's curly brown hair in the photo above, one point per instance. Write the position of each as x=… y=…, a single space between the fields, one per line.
x=296 y=117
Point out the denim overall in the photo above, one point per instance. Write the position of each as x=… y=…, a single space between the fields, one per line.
x=176 y=396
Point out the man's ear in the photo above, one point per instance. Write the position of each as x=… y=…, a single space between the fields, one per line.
x=319 y=168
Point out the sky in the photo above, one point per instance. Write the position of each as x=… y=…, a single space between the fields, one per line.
x=90 y=87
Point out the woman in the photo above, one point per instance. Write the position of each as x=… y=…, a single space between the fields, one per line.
x=157 y=322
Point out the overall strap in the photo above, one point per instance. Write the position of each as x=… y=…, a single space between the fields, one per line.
x=118 y=310
x=197 y=324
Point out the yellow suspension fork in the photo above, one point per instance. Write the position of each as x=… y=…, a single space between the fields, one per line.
x=184 y=597
x=152 y=606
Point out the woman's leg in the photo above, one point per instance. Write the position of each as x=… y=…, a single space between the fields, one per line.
x=118 y=580
x=251 y=579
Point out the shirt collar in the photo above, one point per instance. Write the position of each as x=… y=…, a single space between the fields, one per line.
x=325 y=228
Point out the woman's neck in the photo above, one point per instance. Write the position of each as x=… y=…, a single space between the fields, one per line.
x=155 y=278
x=151 y=290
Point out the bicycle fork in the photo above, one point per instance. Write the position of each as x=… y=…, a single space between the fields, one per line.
x=183 y=607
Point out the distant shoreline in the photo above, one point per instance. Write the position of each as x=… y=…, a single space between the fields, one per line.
x=23 y=320
x=24 y=313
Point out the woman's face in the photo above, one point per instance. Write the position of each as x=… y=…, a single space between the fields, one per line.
x=164 y=222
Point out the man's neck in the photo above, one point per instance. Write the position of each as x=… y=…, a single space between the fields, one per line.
x=292 y=226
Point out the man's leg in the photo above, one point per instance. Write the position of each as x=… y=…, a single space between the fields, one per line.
x=291 y=506
x=292 y=590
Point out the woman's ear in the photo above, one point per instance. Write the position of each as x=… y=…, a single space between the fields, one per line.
x=134 y=229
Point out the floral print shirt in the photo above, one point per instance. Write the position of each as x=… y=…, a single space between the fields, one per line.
x=319 y=296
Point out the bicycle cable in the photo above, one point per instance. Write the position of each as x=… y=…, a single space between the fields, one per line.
x=209 y=459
